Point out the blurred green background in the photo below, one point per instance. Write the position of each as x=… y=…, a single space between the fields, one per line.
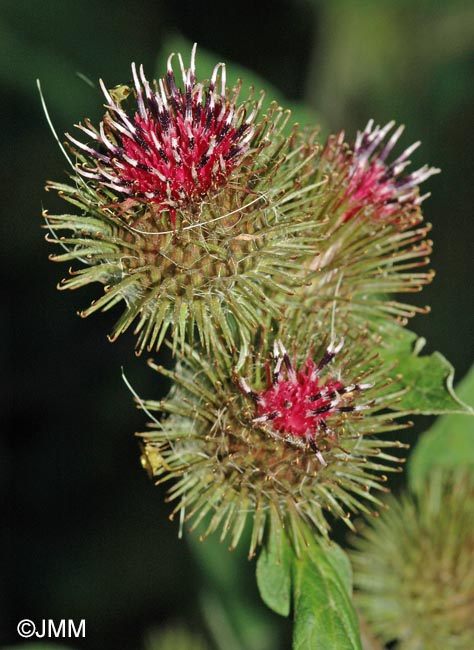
x=85 y=535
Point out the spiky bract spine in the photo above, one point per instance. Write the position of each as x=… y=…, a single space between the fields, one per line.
x=226 y=468
x=413 y=567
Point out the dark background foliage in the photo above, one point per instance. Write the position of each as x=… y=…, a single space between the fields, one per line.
x=85 y=535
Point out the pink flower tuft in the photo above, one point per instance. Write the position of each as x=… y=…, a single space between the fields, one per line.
x=373 y=182
x=179 y=145
x=296 y=407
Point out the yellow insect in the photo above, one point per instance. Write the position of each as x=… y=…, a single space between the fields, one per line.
x=120 y=93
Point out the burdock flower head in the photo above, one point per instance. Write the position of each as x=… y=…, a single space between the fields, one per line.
x=191 y=209
x=375 y=243
x=284 y=440
x=413 y=567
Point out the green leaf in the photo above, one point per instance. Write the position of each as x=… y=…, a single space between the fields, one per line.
x=448 y=443
x=319 y=580
x=428 y=378
x=324 y=614
x=274 y=574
